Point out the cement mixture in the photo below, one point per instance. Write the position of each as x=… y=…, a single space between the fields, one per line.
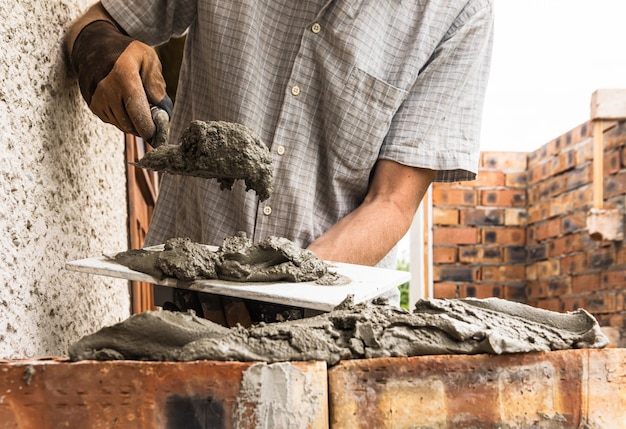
x=238 y=259
x=217 y=150
x=366 y=330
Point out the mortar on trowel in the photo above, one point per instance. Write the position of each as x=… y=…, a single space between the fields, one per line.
x=219 y=150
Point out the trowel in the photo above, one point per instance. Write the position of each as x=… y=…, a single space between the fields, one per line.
x=219 y=150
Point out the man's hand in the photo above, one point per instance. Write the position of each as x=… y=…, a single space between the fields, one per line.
x=367 y=234
x=119 y=77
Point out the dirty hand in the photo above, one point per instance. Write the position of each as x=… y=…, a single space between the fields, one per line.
x=119 y=77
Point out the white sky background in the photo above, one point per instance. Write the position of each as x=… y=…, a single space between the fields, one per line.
x=549 y=57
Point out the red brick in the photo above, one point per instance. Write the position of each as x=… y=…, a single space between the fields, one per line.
x=536 y=289
x=600 y=302
x=612 y=162
x=455 y=273
x=481 y=291
x=514 y=292
x=515 y=217
x=502 y=273
x=503 y=197
x=487 y=179
x=504 y=160
x=562 y=162
x=461 y=235
x=518 y=179
x=548 y=229
x=480 y=254
x=445 y=216
x=482 y=216
x=614 y=279
x=552 y=304
x=586 y=283
x=574 y=263
x=548 y=269
x=449 y=196
x=504 y=236
x=444 y=255
x=446 y=290
x=568 y=244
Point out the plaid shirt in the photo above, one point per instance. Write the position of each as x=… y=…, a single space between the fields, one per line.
x=331 y=86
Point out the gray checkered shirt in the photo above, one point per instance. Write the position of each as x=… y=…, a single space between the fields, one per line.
x=331 y=86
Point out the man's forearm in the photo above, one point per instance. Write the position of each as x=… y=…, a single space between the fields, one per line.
x=367 y=234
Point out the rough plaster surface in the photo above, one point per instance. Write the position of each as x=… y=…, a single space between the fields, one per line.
x=62 y=190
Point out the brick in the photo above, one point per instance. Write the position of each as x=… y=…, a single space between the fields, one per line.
x=536 y=289
x=539 y=172
x=600 y=302
x=502 y=273
x=446 y=290
x=134 y=394
x=455 y=273
x=444 y=255
x=449 y=196
x=574 y=263
x=612 y=162
x=482 y=216
x=578 y=177
x=515 y=254
x=615 y=185
x=613 y=279
x=552 y=304
x=582 y=388
x=514 y=292
x=503 y=236
x=547 y=269
x=562 y=162
x=480 y=254
x=574 y=222
x=449 y=235
x=584 y=152
x=503 y=197
x=536 y=252
x=517 y=179
x=601 y=258
x=488 y=178
x=548 y=229
x=504 y=160
x=586 y=283
x=568 y=244
x=481 y=291
x=571 y=303
x=445 y=216
x=515 y=217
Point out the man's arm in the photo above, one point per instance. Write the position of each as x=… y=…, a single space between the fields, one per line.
x=367 y=234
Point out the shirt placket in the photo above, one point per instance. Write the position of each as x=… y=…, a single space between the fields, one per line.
x=271 y=213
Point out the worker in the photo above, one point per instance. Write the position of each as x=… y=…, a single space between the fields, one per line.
x=362 y=103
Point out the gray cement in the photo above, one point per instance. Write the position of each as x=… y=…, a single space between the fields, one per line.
x=217 y=150
x=62 y=189
x=238 y=259
x=370 y=330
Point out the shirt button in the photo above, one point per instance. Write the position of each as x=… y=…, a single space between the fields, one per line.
x=316 y=28
x=280 y=150
x=267 y=210
x=295 y=90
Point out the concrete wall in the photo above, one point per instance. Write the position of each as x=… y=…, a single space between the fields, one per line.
x=62 y=190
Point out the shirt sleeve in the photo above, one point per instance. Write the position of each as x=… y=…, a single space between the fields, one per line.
x=438 y=124
x=152 y=21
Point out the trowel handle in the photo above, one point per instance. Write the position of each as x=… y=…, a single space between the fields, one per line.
x=162 y=123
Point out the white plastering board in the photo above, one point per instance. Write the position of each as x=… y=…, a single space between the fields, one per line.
x=364 y=283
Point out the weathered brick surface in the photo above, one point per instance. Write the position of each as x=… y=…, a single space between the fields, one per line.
x=520 y=229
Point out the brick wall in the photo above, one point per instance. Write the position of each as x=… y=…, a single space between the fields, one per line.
x=519 y=231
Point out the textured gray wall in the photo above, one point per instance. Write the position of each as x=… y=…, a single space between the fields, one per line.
x=62 y=190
